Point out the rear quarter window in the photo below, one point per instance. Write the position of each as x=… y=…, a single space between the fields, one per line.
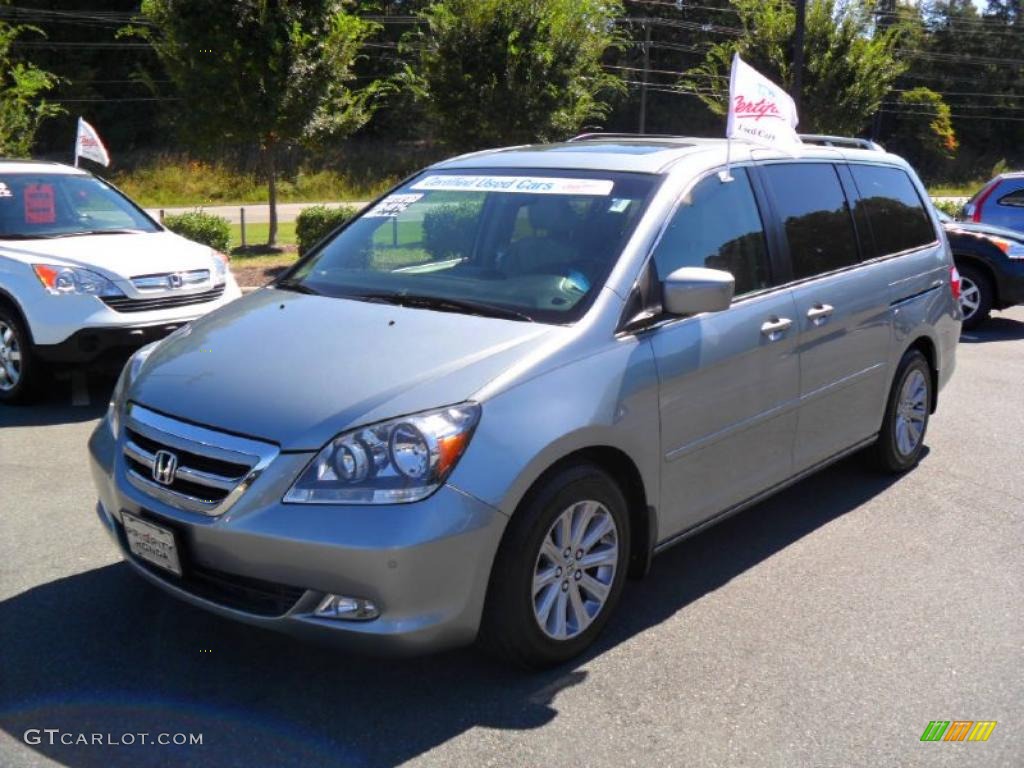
x=1013 y=200
x=890 y=203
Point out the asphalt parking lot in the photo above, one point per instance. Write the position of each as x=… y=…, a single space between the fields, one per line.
x=825 y=627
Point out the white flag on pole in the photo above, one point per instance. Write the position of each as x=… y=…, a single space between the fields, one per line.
x=89 y=145
x=759 y=110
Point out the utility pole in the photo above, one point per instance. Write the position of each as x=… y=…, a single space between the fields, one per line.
x=798 y=52
x=643 y=80
x=885 y=11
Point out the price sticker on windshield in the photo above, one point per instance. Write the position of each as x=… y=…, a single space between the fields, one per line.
x=531 y=185
x=5 y=191
x=391 y=206
x=40 y=207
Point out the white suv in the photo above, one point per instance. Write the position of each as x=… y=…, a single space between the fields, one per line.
x=84 y=271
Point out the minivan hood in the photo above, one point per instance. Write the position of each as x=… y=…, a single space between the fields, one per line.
x=297 y=369
x=117 y=257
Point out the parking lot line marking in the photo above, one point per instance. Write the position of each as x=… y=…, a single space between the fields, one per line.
x=79 y=389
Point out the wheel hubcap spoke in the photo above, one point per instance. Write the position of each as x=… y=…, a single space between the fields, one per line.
x=574 y=570
x=911 y=412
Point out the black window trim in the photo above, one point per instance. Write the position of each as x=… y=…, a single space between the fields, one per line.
x=1017 y=191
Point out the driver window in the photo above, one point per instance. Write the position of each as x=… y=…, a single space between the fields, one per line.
x=717 y=225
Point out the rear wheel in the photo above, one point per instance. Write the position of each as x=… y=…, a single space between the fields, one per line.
x=559 y=570
x=901 y=440
x=976 y=295
x=17 y=363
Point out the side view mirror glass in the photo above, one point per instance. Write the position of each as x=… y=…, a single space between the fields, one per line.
x=690 y=290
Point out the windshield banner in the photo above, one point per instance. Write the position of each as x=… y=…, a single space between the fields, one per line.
x=759 y=110
x=531 y=185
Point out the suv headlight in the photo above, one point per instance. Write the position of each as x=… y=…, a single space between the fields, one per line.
x=124 y=382
x=393 y=462
x=220 y=266
x=74 y=280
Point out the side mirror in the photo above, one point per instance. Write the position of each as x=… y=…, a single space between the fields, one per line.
x=690 y=290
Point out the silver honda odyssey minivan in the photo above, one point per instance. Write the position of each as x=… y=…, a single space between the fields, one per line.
x=477 y=407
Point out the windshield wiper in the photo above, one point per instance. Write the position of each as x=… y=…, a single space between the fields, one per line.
x=443 y=304
x=297 y=287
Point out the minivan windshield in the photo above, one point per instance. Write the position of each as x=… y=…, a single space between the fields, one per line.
x=46 y=205
x=522 y=244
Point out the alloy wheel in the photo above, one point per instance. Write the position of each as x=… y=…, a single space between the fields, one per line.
x=10 y=358
x=575 y=569
x=970 y=297
x=911 y=412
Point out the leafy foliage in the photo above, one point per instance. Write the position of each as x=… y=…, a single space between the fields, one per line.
x=22 y=105
x=263 y=73
x=849 y=65
x=201 y=227
x=925 y=130
x=496 y=72
x=951 y=208
x=313 y=224
x=449 y=229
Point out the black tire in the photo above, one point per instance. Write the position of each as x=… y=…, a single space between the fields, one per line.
x=27 y=366
x=509 y=627
x=973 y=278
x=887 y=453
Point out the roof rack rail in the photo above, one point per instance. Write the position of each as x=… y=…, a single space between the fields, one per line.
x=601 y=135
x=850 y=142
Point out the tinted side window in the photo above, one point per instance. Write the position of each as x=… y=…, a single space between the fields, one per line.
x=811 y=204
x=898 y=219
x=717 y=226
x=1014 y=199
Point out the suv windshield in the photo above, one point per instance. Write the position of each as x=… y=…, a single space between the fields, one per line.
x=526 y=245
x=61 y=205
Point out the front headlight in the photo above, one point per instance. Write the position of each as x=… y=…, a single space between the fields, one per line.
x=1012 y=248
x=74 y=280
x=393 y=462
x=124 y=382
x=220 y=266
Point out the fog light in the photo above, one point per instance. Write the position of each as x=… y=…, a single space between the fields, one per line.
x=347 y=608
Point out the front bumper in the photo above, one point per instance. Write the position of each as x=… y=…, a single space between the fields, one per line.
x=91 y=343
x=425 y=565
x=1010 y=283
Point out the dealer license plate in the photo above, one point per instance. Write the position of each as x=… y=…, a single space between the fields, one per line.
x=152 y=543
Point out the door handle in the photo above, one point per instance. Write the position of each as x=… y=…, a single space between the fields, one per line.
x=775 y=327
x=819 y=313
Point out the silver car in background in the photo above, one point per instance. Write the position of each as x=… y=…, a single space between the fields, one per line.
x=516 y=377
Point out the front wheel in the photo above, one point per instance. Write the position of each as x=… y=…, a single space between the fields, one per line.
x=559 y=570
x=17 y=363
x=901 y=440
x=976 y=295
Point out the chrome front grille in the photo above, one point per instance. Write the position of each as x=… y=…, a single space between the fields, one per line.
x=189 y=467
x=166 y=301
x=171 y=280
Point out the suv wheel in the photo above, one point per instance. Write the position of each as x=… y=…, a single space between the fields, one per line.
x=901 y=441
x=559 y=570
x=975 y=295
x=17 y=364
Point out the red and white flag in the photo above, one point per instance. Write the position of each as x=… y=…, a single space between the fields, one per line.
x=759 y=110
x=89 y=145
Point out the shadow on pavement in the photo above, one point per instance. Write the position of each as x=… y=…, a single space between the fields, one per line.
x=103 y=652
x=59 y=391
x=994 y=329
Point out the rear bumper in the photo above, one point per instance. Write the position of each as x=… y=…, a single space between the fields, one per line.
x=89 y=344
x=425 y=565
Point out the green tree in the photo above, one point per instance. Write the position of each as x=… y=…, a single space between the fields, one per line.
x=265 y=74
x=849 y=68
x=924 y=131
x=22 y=104
x=513 y=71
